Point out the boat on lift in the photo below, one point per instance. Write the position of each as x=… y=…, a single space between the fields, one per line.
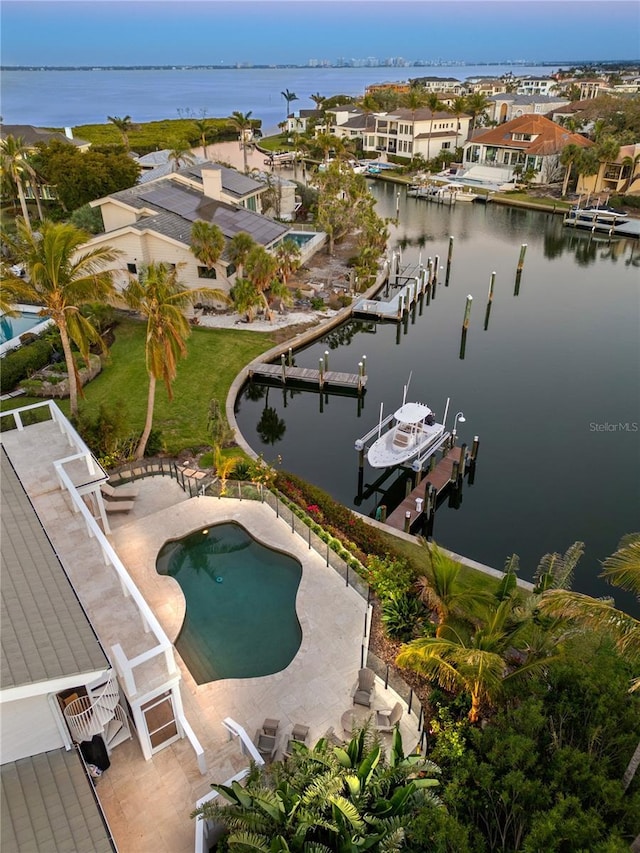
x=413 y=432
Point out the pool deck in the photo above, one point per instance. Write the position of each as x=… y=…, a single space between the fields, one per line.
x=147 y=803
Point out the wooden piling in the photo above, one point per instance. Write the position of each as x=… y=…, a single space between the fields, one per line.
x=492 y=282
x=321 y=372
x=523 y=252
x=474 y=448
x=284 y=369
x=455 y=472
x=326 y=359
x=383 y=512
x=407 y=521
x=463 y=343
x=467 y=313
x=290 y=357
x=449 y=258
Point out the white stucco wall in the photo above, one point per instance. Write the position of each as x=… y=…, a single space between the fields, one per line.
x=27 y=727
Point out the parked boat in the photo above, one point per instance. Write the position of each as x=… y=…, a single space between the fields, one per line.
x=462 y=193
x=412 y=433
x=598 y=218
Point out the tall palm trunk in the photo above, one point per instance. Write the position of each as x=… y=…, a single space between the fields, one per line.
x=23 y=203
x=630 y=772
x=36 y=194
x=71 y=367
x=146 y=432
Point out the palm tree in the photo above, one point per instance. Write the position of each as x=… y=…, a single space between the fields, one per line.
x=124 y=125
x=62 y=278
x=569 y=157
x=289 y=97
x=17 y=169
x=242 y=123
x=159 y=296
x=288 y=257
x=261 y=268
x=415 y=98
x=180 y=155
x=323 y=798
x=621 y=569
x=207 y=242
x=239 y=247
x=476 y=104
x=440 y=590
x=433 y=102
x=630 y=163
x=480 y=665
x=458 y=108
x=203 y=127
x=246 y=298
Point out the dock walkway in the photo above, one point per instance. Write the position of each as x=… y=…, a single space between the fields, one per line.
x=308 y=376
x=439 y=478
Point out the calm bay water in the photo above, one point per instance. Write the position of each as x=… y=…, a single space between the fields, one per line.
x=551 y=387
x=67 y=98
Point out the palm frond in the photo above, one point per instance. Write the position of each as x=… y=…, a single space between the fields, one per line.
x=622 y=568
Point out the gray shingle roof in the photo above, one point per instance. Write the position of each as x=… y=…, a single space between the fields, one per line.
x=180 y=206
x=33 y=135
x=48 y=806
x=44 y=632
x=233 y=182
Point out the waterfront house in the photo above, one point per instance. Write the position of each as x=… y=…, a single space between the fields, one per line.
x=51 y=657
x=301 y=120
x=486 y=86
x=620 y=176
x=507 y=106
x=532 y=85
x=151 y=222
x=528 y=142
x=439 y=84
x=33 y=135
x=406 y=133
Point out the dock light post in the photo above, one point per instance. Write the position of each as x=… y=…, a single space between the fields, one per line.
x=459 y=417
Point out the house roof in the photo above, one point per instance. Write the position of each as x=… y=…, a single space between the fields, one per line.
x=32 y=135
x=421 y=114
x=44 y=632
x=360 y=122
x=550 y=100
x=179 y=206
x=48 y=803
x=549 y=136
x=234 y=183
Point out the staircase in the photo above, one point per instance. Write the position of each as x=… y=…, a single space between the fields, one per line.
x=99 y=713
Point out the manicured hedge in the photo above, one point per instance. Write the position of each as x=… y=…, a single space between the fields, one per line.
x=21 y=363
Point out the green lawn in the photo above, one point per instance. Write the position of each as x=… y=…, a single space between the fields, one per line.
x=215 y=357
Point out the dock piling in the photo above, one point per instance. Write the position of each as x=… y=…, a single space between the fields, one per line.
x=284 y=369
x=449 y=258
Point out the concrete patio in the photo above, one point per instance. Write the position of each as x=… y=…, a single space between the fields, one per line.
x=147 y=803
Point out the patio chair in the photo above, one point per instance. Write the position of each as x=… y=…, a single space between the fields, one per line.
x=365 y=687
x=266 y=745
x=118 y=506
x=387 y=720
x=299 y=734
x=270 y=726
x=122 y=493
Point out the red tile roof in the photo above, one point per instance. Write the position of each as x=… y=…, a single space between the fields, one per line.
x=550 y=138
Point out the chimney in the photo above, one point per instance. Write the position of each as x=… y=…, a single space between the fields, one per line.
x=212 y=182
x=68 y=132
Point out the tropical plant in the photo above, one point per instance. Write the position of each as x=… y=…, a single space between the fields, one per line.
x=124 y=125
x=207 y=242
x=476 y=105
x=246 y=298
x=569 y=157
x=239 y=247
x=415 y=98
x=160 y=297
x=242 y=123
x=631 y=164
x=458 y=107
x=180 y=154
x=440 y=590
x=19 y=172
x=203 y=126
x=289 y=97
x=261 y=268
x=288 y=258
x=62 y=277
x=327 y=798
x=224 y=465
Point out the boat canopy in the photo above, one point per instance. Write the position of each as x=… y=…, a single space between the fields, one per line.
x=412 y=413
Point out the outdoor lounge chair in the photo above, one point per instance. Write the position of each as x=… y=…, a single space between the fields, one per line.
x=365 y=687
x=118 y=506
x=386 y=720
x=122 y=493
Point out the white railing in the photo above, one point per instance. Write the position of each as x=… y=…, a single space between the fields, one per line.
x=205 y=828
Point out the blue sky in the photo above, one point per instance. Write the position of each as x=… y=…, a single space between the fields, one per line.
x=137 y=32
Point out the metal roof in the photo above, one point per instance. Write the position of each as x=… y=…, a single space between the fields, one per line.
x=44 y=632
x=48 y=804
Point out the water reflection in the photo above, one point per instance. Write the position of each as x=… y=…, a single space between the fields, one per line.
x=541 y=371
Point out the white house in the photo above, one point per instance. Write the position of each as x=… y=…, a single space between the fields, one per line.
x=152 y=222
x=406 y=133
x=504 y=107
x=536 y=85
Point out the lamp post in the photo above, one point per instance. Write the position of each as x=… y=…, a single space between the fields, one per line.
x=459 y=417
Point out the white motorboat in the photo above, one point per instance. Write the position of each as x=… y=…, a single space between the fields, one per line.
x=414 y=431
x=598 y=218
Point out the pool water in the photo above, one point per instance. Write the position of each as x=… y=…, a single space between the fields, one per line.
x=300 y=238
x=13 y=327
x=240 y=618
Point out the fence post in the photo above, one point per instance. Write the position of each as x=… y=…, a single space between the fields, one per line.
x=386 y=678
x=327 y=553
x=293 y=530
x=277 y=507
x=309 y=529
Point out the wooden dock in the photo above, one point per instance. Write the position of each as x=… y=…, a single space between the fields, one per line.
x=284 y=373
x=440 y=478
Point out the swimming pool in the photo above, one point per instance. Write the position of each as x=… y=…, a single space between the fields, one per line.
x=240 y=619
x=13 y=327
x=300 y=237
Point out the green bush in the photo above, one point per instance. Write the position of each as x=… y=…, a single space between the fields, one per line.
x=21 y=363
x=389 y=578
x=402 y=616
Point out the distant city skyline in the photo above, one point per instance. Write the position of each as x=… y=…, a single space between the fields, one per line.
x=304 y=32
